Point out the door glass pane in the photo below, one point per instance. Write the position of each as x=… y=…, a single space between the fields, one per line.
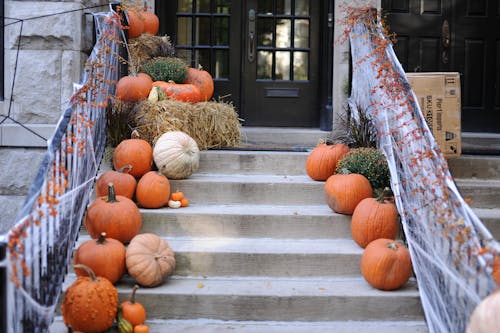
x=265 y=7
x=265 y=32
x=184 y=31
x=221 y=30
x=282 y=65
x=283 y=7
x=184 y=54
x=185 y=6
x=221 y=70
x=222 y=6
x=302 y=7
x=264 y=65
x=203 y=6
x=301 y=38
x=203 y=30
x=300 y=65
x=283 y=33
x=202 y=58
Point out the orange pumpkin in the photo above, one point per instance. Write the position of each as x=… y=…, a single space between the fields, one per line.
x=177 y=196
x=151 y=22
x=90 y=303
x=141 y=329
x=343 y=192
x=184 y=92
x=131 y=88
x=375 y=218
x=123 y=182
x=105 y=256
x=203 y=80
x=133 y=311
x=116 y=215
x=386 y=264
x=149 y=259
x=153 y=190
x=135 y=152
x=135 y=23
x=322 y=160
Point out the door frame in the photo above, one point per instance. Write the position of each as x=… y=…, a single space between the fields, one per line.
x=168 y=27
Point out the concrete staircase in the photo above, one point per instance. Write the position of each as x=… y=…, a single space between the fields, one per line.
x=258 y=250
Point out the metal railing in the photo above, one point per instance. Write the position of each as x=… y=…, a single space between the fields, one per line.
x=36 y=251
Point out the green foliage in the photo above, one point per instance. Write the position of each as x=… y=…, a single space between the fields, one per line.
x=166 y=69
x=369 y=162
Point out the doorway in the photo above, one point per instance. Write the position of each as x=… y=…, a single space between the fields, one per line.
x=266 y=56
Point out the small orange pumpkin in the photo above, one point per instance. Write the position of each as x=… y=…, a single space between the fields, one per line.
x=322 y=160
x=375 y=218
x=104 y=256
x=116 y=215
x=141 y=329
x=123 y=182
x=184 y=92
x=184 y=202
x=151 y=22
x=344 y=191
x=133 y=311
x=90 y=304
x=177 y=196
x=153 y=190
x=135 y=152
x=386 y=264
x=203 y=80
x=135 y=23
x=131 y=88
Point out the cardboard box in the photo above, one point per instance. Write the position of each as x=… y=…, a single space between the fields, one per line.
x=438 y=95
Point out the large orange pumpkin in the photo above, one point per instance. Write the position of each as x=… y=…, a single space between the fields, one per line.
x=135 y=152
x=90 y=303
x=153 y=190
x=116 y=215
x=105 y=256
x=132 y=88
x=184 y=92
x=149 y=259
x=322 y=160
x=375 y=218
x=343 y=192
x=386 y=264
x=123 y=182
x=203 y=80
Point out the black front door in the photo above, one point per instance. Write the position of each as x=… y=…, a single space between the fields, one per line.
x=264 y=55
x=458 y=36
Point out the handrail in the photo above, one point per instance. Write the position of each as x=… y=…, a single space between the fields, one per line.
x=36 y=251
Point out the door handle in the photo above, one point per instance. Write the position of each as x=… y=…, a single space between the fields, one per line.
x=251 y=35
x=445 y=41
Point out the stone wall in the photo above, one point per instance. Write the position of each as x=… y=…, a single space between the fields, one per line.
x=44 y=56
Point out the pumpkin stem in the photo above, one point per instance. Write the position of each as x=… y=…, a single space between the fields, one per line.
x=127 y=166
x=102 y=238
x=87 y=269
x=386 y=195
x=393 y=246
x=132 y=295
x=111 y=194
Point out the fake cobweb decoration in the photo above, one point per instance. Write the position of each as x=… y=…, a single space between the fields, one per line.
x=454 y=256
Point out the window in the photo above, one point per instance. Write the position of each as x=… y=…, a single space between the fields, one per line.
x=2 y=71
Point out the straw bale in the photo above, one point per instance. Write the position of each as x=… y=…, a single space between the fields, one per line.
x=210 y=124
x=146 y=47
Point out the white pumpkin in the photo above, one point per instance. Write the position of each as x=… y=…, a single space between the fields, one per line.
x=485 y=318
x=176 y=155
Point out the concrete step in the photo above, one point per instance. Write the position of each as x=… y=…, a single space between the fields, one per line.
x=264 y=257
x=286 y=137
x=475 y=166
x=297 y=190
x=274 y=299
x=221 y=326
x=247 y=221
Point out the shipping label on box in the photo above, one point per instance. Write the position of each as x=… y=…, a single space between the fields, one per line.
x=438 y=95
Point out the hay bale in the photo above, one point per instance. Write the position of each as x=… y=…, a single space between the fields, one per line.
x=146 y=47
x=210 y=124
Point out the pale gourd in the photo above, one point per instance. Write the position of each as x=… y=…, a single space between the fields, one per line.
x=485 y=318
x=176 y=155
